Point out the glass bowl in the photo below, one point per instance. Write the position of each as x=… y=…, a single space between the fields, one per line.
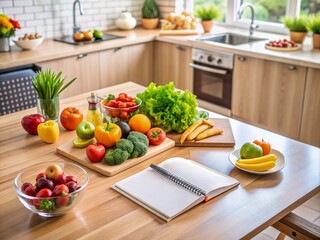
x=114 y=114
x=55 y=206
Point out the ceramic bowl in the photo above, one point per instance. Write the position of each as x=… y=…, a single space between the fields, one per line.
x=51 y=206
x=28 y=44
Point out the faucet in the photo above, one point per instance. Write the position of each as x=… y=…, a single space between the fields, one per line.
x=252 y=25
x=75 y=27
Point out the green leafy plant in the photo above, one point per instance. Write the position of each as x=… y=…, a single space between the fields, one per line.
x=207 y=12
x=150 y=9
x=295 y=24
x=49 y=85
x=313 y=24
x=168 y=108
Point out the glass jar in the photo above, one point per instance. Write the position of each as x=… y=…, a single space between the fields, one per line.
x=94 y=114
x=49 y=108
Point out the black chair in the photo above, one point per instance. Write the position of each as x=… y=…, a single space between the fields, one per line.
x=16 y=90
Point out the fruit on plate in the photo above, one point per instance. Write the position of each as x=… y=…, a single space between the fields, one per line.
x=156 y=136
x=81 y=143
x=31 y=122
x=70 y=117
x=85 y=130
x=282 y=44
x=53 y=171
x=266 y=147
x=259 y=164
x=48 y=131
x=78 y=36
x=250 y=150
x=95 y=152
x=184 y=21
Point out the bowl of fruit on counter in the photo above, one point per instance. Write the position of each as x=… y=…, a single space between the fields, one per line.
x=119 y=108
x=52 y=188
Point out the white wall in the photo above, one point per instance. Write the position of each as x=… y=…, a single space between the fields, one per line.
x=53 y=18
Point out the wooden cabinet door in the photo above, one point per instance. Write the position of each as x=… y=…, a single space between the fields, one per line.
x=114 y=66
x=268 y=94
x=85 y=67
x=141 y=63
x=310 y=130
x=172 y=65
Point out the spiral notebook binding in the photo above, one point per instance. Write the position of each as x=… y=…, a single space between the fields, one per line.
x=178 y=180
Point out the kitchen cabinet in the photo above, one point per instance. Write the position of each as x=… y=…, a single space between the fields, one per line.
x=132 y=63
x=268 y=94
x=309 y=130
x=85 y=67
x=172 y=65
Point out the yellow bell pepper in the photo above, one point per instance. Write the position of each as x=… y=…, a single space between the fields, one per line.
x=107 y=134
x=48 y=131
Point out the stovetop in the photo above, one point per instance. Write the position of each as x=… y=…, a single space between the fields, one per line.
x=70 y=40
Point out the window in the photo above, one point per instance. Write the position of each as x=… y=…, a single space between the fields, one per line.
x=267 y=12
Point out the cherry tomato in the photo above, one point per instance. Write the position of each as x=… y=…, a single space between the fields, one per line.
x=156 y=136
x=264 y=145
x=70 y=117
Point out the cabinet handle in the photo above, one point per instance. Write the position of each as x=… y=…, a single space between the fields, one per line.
x=82 y=55
x=292 y=68
x=117 y=49
x=242 y=59
x=180 y=48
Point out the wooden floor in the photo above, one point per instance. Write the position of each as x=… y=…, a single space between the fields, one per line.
x=310 y=210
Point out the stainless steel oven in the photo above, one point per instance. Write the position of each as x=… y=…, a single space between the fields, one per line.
x=212 y=80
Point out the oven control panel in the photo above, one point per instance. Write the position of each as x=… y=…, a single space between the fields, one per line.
x=214 y=58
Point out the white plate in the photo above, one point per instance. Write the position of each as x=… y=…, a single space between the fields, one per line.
x=280 y=163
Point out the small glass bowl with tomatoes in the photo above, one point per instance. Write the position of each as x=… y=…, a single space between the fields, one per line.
x=55 y=197
x=119 y=108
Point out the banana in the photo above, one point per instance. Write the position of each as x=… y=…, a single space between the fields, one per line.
x=266 y=158
x=259 y=167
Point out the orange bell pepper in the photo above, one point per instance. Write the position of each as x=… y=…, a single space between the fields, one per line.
x=107 y=134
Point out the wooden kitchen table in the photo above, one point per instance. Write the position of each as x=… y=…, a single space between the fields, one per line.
x=244 y=211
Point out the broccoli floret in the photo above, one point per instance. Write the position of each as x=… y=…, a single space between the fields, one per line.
x=115 y=156
x=138 y=137
x=125 y=145
x=140 y=149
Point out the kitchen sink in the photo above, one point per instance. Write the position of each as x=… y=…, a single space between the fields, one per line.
x=70 y=40
x=230 y=38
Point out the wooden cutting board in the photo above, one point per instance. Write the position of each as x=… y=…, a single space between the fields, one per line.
x=79 y=155
x=226 y=139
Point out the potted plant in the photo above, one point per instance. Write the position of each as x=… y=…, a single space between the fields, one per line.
x=297 y=27
x=8 y=27
x=313 y=26
x=150 y=14
x=49 y=85
x=207 y=13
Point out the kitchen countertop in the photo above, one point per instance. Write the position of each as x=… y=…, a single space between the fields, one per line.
x=50 y=49
x=242 y=212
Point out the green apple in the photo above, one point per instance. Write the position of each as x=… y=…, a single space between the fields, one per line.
x=85 y=130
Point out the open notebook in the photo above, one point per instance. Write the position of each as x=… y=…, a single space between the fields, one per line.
x=174 y=186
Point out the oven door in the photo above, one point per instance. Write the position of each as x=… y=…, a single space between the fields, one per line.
x=212 y=84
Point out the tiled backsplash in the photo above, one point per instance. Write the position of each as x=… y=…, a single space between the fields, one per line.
x=53 y=18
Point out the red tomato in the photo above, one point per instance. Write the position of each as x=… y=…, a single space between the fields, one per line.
x=95 y=152
x=264 y=145
x=30 y=123
x=60 y=190
x=70 y=117
x=156 y=136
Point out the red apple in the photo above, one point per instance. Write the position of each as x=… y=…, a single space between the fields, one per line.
x=95 y=152
x=31 y=191
x=71 y=178
x=53 y=171
x=61 y=179
x=31 y=122
x=24 y=186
